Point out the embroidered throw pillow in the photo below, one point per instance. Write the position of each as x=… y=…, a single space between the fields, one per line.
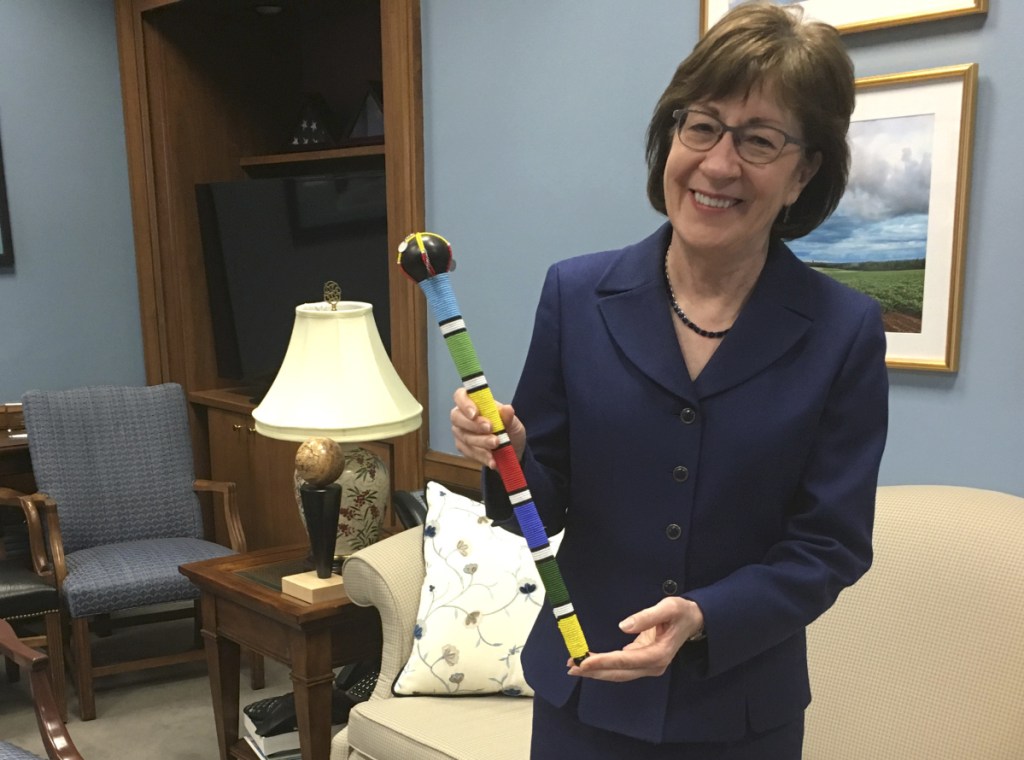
x=480 y=596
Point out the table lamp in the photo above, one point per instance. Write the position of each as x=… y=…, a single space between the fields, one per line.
x=335 y=385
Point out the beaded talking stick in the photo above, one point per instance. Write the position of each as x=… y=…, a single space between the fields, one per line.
x=427 y=259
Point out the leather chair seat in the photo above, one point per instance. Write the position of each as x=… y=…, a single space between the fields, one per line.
x=23 y=593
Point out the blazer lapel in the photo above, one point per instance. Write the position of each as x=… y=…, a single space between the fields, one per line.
x=635 y=308
x=780 y=310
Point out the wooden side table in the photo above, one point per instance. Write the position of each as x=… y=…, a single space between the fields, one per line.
x=242 y=605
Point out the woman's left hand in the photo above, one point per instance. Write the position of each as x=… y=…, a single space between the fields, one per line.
x=661 y=631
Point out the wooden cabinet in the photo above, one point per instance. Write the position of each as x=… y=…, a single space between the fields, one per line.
x=211 y=90
x=261 y=469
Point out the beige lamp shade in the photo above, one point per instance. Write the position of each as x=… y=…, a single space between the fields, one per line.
x=336 y=381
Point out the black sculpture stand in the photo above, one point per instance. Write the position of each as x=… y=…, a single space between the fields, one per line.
x=320 y=507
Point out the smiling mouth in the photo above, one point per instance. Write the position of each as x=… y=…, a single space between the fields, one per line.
x=707 y=200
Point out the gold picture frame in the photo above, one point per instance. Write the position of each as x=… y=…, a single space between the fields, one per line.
x=860 y=16
x=900 y=230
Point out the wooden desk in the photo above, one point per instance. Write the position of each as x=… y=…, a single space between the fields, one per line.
x=242 y=605
x=15 y=463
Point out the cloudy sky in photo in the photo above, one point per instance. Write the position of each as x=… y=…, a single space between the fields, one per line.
x=884 y=214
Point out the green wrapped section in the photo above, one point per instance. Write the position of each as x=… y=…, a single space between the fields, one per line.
x=463 y=354
x=554 y=586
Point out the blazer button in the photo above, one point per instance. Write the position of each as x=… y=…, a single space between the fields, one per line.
x=687 y=416
x=673 y=531
x=680 y=474
x=670 y=587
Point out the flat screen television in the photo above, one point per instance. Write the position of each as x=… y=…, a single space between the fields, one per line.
x=269 y=245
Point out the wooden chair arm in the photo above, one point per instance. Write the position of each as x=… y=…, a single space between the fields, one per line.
x=36 y=543
x=47 y=511
x=56 y=739
x=226 y=495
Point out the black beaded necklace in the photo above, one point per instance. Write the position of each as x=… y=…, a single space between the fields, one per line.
x=682 y=315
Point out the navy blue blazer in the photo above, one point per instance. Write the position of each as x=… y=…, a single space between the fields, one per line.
x=750 y=490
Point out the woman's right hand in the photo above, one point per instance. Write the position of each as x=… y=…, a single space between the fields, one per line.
x=472 y=431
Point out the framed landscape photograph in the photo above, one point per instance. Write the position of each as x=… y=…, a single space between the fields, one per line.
x=848 y=16
x=6 y=248
x=899 y=231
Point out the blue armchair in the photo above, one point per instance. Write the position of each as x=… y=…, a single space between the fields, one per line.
x=118 y=499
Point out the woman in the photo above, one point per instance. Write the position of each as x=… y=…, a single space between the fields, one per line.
x=704 y=415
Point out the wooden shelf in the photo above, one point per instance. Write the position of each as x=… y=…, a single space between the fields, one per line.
x=334 y=154
x=229 y=399
x=209 y=92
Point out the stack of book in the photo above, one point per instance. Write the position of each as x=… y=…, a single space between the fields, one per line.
x=277 y=742
x=294 y=754
x=282 y=746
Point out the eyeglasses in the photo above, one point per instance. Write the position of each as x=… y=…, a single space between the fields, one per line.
x=755 y=143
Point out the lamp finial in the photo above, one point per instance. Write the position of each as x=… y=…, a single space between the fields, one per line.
x=332 y=294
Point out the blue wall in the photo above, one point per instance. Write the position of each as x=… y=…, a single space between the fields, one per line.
x=534 y=125
x=69 y=313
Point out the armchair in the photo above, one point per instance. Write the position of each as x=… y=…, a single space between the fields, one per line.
x=118 y=500
x=388 y=575
x=56 y=740
x=29 y=594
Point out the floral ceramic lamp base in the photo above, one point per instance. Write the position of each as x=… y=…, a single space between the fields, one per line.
x=365 y=485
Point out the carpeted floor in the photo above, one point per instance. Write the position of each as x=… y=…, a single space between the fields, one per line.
x=164 y=713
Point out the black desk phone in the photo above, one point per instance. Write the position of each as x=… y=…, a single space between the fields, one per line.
x=353 y=684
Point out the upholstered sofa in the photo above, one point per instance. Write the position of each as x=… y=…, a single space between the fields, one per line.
x=921 y=660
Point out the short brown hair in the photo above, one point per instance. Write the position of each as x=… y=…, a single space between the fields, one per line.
x=802 y=63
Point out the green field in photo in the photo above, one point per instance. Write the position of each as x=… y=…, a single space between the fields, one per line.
x=898 y=290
